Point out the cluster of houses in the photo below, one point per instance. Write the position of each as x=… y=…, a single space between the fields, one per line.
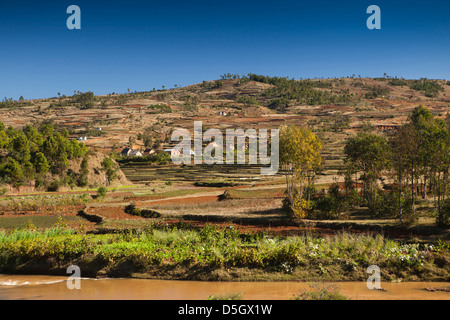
x=129 y=152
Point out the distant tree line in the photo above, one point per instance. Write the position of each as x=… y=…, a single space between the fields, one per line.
x=10 y=103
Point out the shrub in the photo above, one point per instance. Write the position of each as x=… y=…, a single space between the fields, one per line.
x=101 y=192
x=332 y=204
x=229 y=296
x=320 y=292
x=146 y=213
x=377 y=91
x=445 y=212
x=53 y=186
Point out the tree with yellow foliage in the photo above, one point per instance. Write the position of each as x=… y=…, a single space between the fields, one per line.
x=299 y=158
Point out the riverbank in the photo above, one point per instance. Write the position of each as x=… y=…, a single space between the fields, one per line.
x=212 y=253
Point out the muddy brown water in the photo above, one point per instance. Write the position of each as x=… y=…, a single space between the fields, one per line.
x=14 y=287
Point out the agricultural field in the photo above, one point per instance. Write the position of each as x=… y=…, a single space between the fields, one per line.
x=132 y=195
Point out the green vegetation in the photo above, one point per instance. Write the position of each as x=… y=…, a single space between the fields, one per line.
x=84 y=100
x=228 y=296
x=101 y=192
x=398 y=82
x=111 y=168
x=32 y=152
x=320 y=292
x=10 y=103
x=417 y=155
x=160 y=108
x=158 y=158
x=133 y=210
x=376 y=91
x=161 y=246
x=209 y=85
x=431 y=88
x=246 y=100
x=303 y=91
x=393 y=170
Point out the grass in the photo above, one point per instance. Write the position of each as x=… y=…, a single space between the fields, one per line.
x=165 y=194
x=41 y=222
x=257 y=193
x=228 y=296
x=162 y=249
x=319 y=291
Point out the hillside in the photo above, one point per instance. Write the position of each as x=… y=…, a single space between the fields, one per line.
x=317 y=103
x=333 y=108
x=42 y=157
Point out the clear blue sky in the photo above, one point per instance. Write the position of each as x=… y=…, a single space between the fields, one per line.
x=142 y=45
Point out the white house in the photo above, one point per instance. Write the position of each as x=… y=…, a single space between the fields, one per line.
x=176 y=153
x=135 y=153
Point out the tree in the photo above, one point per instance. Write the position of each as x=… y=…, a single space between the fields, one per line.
x=20 y=148
x=131 y=141
x=110 y=167
x=101 y=192
x=368 y=153
x=404 y=149
x=4 y=139
x=86 y=100
x=11 y=171
x=40 y=163
x=84 y=172
x=299 y=158
x=433 y=154
x=34 y=136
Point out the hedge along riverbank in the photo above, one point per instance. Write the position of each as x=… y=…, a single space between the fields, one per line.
x=213 y=253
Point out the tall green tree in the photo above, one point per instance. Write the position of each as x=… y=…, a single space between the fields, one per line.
x=368 y=153
x=110 y=167
x=404 y=159
x=40 y=163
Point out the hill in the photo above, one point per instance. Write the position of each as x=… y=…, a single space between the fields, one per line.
x=333 y=108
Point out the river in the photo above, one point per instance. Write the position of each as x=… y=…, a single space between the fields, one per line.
x=34 y=287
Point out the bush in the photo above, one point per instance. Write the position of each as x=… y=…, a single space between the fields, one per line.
x=377 y=91
x=331 y=205
x=229 y=296
x=135 y=211
x=320 y=292
x=53 y=186
x=387 y=206
x=445 y=212
x=101 y=192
